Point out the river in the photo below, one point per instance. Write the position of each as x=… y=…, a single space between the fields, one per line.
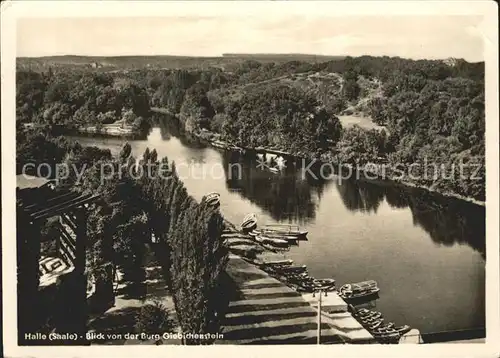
x=426 y=252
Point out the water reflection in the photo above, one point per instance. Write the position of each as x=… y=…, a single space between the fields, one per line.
x=293 y=197
x=360 y=196
x=170 y=127
x=450 y=221
x=290 y=197
x=286 y=197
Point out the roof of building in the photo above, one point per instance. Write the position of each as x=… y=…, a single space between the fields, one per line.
x=46 y=201
x=24 y=181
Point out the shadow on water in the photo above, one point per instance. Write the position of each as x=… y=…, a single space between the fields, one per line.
x=291 y=196
x=285 y=197
x=360 y=196
x=170 y=127
x=448 y=221
x=294 y=197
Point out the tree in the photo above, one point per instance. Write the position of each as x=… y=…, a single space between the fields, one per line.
x=351 y=88
x=196 y=111
x=199 y=258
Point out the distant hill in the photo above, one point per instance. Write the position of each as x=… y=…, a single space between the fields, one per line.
x=116 y=62
x=278 y=57
x=166 y=62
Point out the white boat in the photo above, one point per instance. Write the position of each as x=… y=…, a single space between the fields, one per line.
x=249 y=222
x=358 y=290
x=273 y=234
x=270 y=240
x=249 y=217
x=213 y=199
x=284 y=229
x=249 y=225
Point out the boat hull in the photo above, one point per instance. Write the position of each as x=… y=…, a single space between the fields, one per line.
x=271 y=241
x=360 y=297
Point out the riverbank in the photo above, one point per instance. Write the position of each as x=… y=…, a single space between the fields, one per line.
x=364 y=171
x=350 y=222
x=117 y=129
x=108 y=130
x=265 y=307
x=262 y=310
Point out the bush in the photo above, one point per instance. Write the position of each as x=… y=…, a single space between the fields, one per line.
x=153 y=319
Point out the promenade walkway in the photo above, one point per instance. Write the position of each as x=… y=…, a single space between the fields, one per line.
x=262 y=310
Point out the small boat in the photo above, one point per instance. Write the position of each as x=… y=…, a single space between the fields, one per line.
x=292 y=272
x=249 y=225
x=295 y=268
x=364 y=312
x=249 y=222
x=374 y=325
x=371 y=318
x=285 y=229
x=326 y=284
x=278 y=263
x=249 y=217
x=213 y=199
x=388 y=334
x=384 y=328
x=358 y=290
x=273 y=248
x=403 y=329
x=360 y=310
x=273 y=170
x=271 y=240
x=271 y=233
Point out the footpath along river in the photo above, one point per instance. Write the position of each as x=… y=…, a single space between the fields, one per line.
x=426 y=252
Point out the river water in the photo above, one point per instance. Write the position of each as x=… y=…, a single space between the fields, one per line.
x=427 y=253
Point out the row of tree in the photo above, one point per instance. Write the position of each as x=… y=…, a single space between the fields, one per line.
x=73 y=100
x=142 y=199
x=145 y=200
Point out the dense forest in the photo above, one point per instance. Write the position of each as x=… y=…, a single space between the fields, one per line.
x=71 y=100
x=428 y=112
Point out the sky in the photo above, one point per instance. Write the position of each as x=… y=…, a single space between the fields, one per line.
x=415 y=37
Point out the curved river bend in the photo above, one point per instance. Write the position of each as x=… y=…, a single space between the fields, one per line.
x=426 y=252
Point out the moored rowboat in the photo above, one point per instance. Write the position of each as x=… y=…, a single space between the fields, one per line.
x=273 y=234
x=249 y=217
x=358 y=290
x=213 y=199
x=249 y=222
x=291 y=230
x=278 y=262
x=270 y=240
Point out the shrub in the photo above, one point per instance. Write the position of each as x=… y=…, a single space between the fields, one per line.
x=153 y=318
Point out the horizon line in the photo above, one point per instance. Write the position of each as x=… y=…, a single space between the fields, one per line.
x=246 y=54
